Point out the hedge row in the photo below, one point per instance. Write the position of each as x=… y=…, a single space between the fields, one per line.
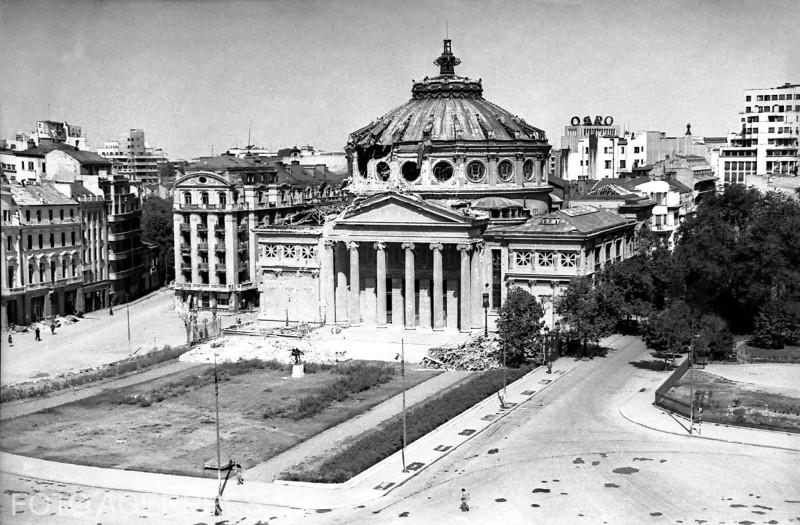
x=71 y=380
x=386 y=439
x=353 y=379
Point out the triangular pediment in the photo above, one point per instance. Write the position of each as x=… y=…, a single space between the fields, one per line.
x=397 y=208
x=203 y=178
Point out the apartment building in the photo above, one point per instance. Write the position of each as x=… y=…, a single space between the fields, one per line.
x=768 y=141
x=134 y=157
x=217 y=205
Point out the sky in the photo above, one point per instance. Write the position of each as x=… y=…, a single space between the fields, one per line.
x=196 y=75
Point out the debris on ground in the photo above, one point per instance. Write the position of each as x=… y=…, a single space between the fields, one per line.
x=477 y=353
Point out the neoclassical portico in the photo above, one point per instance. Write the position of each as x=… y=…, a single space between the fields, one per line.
x=394 y=259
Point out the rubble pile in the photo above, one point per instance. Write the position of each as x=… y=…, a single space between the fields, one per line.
x=265 y=349
x=477 y=353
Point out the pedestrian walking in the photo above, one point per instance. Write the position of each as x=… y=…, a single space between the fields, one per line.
x=549 y=367
x=38 y=334
x=53 y=328
x=464 y=501
x=10 y=339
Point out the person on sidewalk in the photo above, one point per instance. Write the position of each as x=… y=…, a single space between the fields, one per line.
x=53 y=328
x=549 y=366
x=38 y=334
x=464 y=501
x=10 y=339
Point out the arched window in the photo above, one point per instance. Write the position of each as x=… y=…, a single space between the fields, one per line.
x=63 y=268
x=527 y=170
x=187 y=197
x=223 y=199
x=74 y=268
x=383 y=170
x=204 y=197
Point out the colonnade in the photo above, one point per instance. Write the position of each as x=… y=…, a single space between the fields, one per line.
x=349 y=289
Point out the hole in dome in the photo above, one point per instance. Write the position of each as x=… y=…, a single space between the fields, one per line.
x=443 y=171
x=410 y=171
x=383 y=170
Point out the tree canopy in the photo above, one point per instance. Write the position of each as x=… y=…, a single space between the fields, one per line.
x=519 y=325
x=157 y=229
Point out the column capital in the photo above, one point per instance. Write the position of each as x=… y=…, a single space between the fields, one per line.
x=380 y=246
x=463 y=247
x=436 y=246
x=478 y=246
x=407 y=246
x=353 y=245
x=328 y=243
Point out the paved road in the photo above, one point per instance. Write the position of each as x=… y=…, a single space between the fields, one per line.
x=566 y=457
x=97 y=339
x=556 y=463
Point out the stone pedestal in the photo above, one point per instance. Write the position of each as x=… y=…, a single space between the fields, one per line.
x=298 y=371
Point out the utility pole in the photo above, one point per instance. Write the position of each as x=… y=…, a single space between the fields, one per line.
x=403 y=386
x=128 y=314
x=217 y=508
x=691 y=382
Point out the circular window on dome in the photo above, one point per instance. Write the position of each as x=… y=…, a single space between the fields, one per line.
x=476 y=171
x=201 y=180
x=505 y=171
x=383 y=170
x=443 y=171
x=410 y=171
x=527 y=170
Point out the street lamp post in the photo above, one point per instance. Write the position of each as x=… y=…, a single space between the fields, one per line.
x=486 y=314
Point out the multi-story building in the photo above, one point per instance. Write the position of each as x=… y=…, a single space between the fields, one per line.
x=135 y=158
x=217 y=205
x=43 y=273
x=768 y=141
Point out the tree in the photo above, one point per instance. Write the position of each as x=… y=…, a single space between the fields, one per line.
x=589 y=313
x=519 y=325
x=713 y=339
x=157 y=229
x=777 y=325
x=670 y=331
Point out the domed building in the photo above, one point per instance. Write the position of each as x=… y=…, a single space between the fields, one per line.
x=449 y=208
x=449 y=143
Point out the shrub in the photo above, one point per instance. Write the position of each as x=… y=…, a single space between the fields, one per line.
x=384 y=441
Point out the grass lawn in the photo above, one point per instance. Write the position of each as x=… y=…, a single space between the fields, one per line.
x=130 y=428
x=735 y=403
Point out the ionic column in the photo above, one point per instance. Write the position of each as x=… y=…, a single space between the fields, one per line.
x=466 y=290
x=340 y=268
x=329 y=282
x=438 y=284
x=477 y=289
x=411 y=314
x=355 y=287
x=380 y=283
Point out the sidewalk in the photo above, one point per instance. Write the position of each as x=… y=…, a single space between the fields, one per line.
x=639 y=409
x=377 y=481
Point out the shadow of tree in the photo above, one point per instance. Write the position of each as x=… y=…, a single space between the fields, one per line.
x=653 y=364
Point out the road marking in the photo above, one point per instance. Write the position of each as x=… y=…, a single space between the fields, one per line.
x=442 y=448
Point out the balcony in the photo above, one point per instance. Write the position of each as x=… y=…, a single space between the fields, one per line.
x=220 y=267
x=219 y=228
x=202 y=246
x=203 y=266
x=202 y=227
x=243 y=246
x=215 y=287
x=186 y=267
x=119 y=256
x=186 y=227
x=185 y=248
x=121 y=236
x=119 y=217
x=122 y=274
x=220 y=247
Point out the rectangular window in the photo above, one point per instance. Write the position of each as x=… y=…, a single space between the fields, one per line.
x=41 y=241
x=522 y=258
x=72 y=238
x=622 y=164
x=544 y=259
x=608 y=164
x=747 y=98
x=10 y=243
x=63 y=238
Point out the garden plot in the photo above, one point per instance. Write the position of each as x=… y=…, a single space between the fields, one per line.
x=168 y=425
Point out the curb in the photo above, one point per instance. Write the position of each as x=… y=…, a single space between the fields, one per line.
x=695 y=436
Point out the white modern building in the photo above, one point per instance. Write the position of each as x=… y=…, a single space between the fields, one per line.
x=767 y=143
x=134 y=157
